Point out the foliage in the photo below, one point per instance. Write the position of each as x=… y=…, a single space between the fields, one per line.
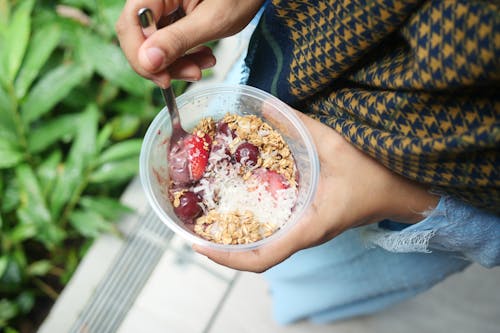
x=72 y=113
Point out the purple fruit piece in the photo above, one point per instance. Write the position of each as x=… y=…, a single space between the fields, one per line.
x=178 y=163
x=247 y=154
x=223 y=128
x=188 y=208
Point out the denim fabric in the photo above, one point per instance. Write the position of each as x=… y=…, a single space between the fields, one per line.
x=367 y=269
x=344 y=278
x=455 y=227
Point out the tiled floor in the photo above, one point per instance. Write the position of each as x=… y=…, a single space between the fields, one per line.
x=186 y=293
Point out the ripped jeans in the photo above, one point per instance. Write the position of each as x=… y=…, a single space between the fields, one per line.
x=367 y=269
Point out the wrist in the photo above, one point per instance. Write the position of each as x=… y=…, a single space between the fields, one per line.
x=409 y=201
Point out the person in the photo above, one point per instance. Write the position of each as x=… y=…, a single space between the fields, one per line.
x=401 y=98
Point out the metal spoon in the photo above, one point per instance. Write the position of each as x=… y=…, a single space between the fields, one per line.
x=148 y=25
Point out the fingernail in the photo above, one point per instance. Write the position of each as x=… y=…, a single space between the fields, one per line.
x=190 y=74
x=155 y=56
x=207 y=63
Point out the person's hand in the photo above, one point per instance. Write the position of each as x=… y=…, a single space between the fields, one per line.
x=174 y=51
x=353 y=190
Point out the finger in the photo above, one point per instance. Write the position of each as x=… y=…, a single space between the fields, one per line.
x=169 y=43
x=130 y=33
x=187 y=68
x=190 y=66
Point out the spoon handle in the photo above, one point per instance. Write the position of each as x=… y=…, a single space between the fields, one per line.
x=148 y=25
x=177 y=130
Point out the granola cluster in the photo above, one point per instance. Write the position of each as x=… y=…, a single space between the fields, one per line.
x=232 y=228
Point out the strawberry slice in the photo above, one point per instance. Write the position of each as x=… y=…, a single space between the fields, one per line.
x=272 y=180
x=198 y=148
x=188 y=158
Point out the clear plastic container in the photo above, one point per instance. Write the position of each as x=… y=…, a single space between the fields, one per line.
x=216 y=102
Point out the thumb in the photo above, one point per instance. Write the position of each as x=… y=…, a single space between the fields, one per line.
x=169 y=43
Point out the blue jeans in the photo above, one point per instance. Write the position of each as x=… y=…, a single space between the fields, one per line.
x=366 y=269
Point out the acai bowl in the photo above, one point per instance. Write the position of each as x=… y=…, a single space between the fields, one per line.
x=252 y=168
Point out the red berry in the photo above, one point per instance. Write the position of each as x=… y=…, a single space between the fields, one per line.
x=198 y=149
x=272 y=180
x=189 y=207
x=246 y=154
x=223 y=128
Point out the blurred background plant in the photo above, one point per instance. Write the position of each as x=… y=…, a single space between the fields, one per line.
x=72 y=117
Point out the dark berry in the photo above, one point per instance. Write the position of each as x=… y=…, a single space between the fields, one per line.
x=189 y=207
x=223 y=128
x=247 y=154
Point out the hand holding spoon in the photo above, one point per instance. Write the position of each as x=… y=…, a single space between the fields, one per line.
x=180 y=156
x=148 y=25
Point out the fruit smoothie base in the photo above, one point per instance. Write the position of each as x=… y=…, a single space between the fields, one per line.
x=233 y=181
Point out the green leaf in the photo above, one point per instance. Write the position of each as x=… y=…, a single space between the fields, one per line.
x=71 y=263
x=82 y=4
x=8 y=310
x=103 y=137
x=51 y=131
x=51 y=236
x=179 y=86
x=4 y=23
x=7 y=123
x=89 y=223
x=51 y=89
x=121 y=150
x=11 y=155
x=83 y=147
x=11 y=195
x=4 y=260
x=117 y=171
x=125 y=126
x=107 y=93
x=47 y=172
x=109 y=61
x=22 y=232
x=136 y=106
x=10 y=330
x=17 y=37
x=109 y=208
x=81 y=156
x=43 y=42
x=33 y=209
x=4 y=13
x=39 y=268
x=109 y=11
x=5 y=103
x=12 y=277
x=25 y=301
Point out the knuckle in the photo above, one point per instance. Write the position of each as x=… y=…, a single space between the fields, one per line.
x=179 y=42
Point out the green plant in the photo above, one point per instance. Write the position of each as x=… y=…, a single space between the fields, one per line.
x=72 y=114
